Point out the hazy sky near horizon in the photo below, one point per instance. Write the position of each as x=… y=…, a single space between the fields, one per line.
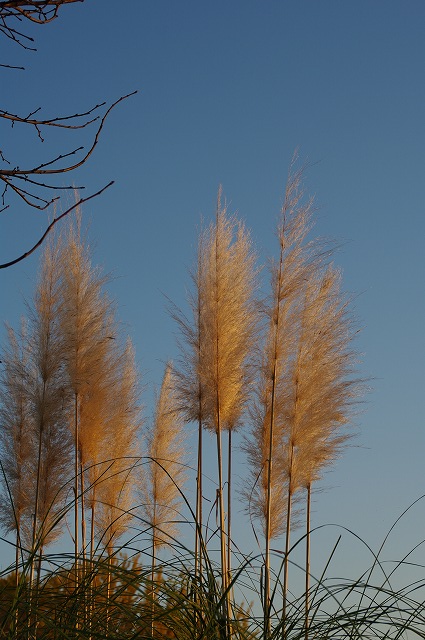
x=227 y=92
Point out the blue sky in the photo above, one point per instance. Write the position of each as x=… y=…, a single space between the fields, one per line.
x=227 y=91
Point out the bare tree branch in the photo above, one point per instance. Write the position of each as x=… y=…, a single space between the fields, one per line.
x=31 y=183
x=11 y=176
x=36 y=11
x=52 y=224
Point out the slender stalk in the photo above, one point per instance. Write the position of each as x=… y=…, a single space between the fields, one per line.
x=35 y=519
x=229 y=508
x=198 y=524
x=83 y=536
x=199 y=498
x=153 y=591
x=39 y=564
x=17 y=550
x=34 y=593
x=198 y=538
x=218 y=418
x=92 y=578
x=267 y=611
x=92 y=527
x=307 y=562
x=108 y=591
x=83 y=514
x=276 y=327
x=269 y=481
x=37 y=588
x=76 y=487
x=221 y=510
x=287 y=543
x=198 y=531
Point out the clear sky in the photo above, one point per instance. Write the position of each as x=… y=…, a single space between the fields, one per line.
x=227 y=91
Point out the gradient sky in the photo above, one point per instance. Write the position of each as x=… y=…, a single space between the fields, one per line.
x=227 y=91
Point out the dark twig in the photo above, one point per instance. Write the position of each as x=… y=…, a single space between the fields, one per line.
x=35 y=185
x=52 y=224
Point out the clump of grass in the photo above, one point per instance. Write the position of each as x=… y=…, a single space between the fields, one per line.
x=124 y=595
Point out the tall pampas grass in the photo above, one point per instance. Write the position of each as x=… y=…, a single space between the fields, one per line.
x=189 y=383
x=16 y=444
x=321 y=391
x=287 y=274
x=94 y=418
x=161 y=480
x=307 y=385
x=50 y=410
x=214 y=379
x=298 y=259
x=47 y=413
x=327 y=387
x=117 y=451
x=85 y=326
x=99 y=405
x=112 y=469
x=229 y=324
x=228 y=319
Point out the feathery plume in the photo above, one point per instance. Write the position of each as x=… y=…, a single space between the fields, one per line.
x=164 y=475
x=325 y=389
x=214 y=379
x=113 y=460
x=228 y=319
x=50 y=410
x=228 y=328
x=85 y=326
x=298 y=258
x=16 y=445
x=189 y=383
